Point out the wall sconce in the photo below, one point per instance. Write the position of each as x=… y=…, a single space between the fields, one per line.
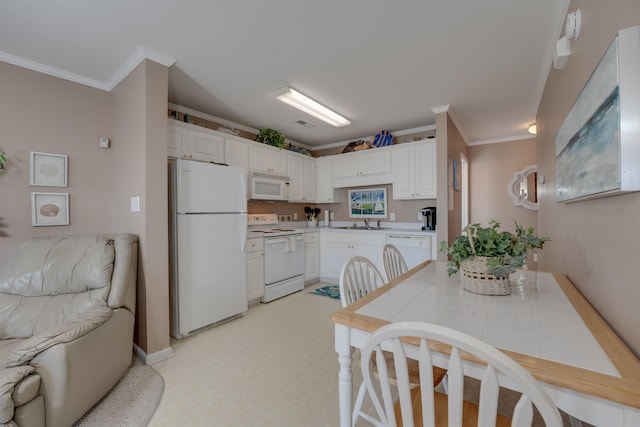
x=309 y=106
x=563 y=46
x=532 y=128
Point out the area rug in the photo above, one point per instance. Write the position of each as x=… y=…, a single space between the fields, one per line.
x=131 y=402
x=331 y=291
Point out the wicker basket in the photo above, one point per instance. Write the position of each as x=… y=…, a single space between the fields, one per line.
x=475 y=278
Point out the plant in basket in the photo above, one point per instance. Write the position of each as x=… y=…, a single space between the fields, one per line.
x=488 y=255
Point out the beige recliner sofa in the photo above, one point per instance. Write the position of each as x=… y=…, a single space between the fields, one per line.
x=67 y=307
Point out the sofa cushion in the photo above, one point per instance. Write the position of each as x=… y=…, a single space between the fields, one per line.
x=53 y=280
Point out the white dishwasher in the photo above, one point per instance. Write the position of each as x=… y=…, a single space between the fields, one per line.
x=415 y=248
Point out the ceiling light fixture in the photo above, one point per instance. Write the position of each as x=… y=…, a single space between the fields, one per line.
x=532 y=128
x=309 y=106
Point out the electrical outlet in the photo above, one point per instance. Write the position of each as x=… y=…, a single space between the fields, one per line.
x=535 y=257
x=419 y=216
x=295 y=216
x=392 y=216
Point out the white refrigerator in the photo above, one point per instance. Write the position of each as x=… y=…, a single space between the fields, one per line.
x=208 y=258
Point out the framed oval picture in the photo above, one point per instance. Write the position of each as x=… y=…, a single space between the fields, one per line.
x=46 y=169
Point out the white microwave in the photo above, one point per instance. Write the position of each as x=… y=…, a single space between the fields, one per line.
x=268 y=187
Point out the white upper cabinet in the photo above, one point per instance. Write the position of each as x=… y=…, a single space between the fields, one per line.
x=368 y=167
x=324 y=180
x=267 y=159
x=193 y=142
x=301 y=178
x=236 y=153
x=414 y=170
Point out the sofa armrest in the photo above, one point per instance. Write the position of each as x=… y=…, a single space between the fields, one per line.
x=64 y=333
x=9 y=377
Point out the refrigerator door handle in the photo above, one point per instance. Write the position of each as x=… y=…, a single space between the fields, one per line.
x=243 y=233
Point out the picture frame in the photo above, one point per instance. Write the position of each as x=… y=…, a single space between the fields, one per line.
x=596 y=156
x=457 y=176
x=47 y=169
x=368 y=203
x=49 y=209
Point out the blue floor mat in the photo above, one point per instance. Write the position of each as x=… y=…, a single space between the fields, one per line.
x=331 y=291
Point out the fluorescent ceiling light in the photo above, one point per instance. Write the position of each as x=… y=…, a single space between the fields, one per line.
x=309 y=106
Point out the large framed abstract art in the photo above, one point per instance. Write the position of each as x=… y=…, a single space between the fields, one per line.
x=597 y=147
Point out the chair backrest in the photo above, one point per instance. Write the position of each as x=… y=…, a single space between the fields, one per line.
x=394 y=264
x=499 y=369
x=358 y=277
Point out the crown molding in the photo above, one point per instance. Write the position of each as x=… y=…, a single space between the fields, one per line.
x=505 y=139
x=52 y=71
x=447 y=109
x=134 y=60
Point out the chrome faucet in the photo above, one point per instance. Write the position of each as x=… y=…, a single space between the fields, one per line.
x=378 y=223
x=366 y=222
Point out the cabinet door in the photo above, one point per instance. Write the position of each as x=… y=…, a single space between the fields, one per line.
x=374 y=161
x=255 y=274
x=426 y=169
x=404 y=169
x=177 y=141
x=345 y=165
x=334 y=252
x=296 y=178
x=308 y=179
x=311 y=261
x=279 y=161
x=324 y=180
x=206 y=147
x=236 y=153
x=268 y=159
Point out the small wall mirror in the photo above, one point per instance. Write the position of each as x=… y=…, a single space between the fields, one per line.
x=523 y=188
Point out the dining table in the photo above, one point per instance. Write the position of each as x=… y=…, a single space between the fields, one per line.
x=545 y=324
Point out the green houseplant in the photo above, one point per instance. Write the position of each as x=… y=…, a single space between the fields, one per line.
x=504 y=251
x=271 y=137
x=3 y=162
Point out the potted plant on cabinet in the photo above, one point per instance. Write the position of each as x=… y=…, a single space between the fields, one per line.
x=486 y=256
x=271 y=137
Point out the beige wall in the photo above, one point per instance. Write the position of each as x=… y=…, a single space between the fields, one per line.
x=594 y=242
x=43 y=113
x=492 y=167
x=140 y=147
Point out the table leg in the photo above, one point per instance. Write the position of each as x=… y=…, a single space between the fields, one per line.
x=345 y=378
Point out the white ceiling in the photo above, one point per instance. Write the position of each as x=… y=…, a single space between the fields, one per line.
x=383 y=64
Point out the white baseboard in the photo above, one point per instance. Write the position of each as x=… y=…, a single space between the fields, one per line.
x=153 y=358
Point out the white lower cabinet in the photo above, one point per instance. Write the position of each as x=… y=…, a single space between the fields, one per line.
x=255 y=268
x=311 y=257
x=337 y=247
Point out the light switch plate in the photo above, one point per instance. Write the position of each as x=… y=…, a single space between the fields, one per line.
x=135 y=204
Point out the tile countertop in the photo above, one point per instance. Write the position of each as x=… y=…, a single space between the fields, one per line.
x=386 y=227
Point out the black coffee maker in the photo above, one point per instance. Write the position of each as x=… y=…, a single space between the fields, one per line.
x=429 y=216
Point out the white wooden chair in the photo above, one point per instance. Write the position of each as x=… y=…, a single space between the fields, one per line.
x=394 y=264
x=358 y=277
x=425 y=406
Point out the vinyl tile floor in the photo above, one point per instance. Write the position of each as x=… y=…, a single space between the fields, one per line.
x=274 y=366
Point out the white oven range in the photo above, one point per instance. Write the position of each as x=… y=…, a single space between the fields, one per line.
x=283 y=256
